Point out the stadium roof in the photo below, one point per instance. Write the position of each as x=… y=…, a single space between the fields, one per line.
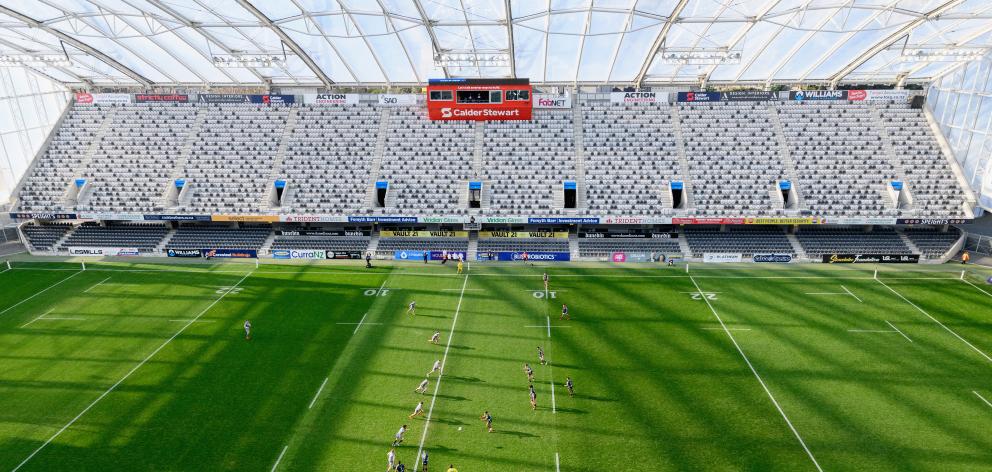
x=405 y=42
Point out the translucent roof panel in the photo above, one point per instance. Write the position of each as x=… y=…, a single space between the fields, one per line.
x=406 y=42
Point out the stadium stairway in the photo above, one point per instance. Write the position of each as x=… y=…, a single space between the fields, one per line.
x=267 y=245
x=380 y=149
x=797 y=248
x=787 y=162
x=373 y=242
x=183 y=157
x=683 y=161
x=473 y=245
x=580 y=154
x=910 y=244
x=61 y=241
x=684 y=246
x=84 y=163
x=277 y=167
x=165 y=240
x=573 y=245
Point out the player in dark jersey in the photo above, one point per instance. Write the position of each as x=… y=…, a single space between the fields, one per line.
x=569 y=386
x=529 y=372
x=540 y=355
x=488 y=419
x=564 y=313
x=533 y=398
x=424 y=462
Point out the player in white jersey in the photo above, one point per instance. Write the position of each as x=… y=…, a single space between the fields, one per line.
x=545 y=281
x=390 y=460
x=422 y=388
x=417 y=410
x=436 y=368
x=529 y=372
x=540 y=355
x=247 y=329
x=399 y=436
x=436 y=338
x=412 y=311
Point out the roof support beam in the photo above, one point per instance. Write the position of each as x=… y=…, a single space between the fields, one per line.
x=659 y=41
x=509 y=37
x=890 y=40
x=78 y=45
x=264 y=20
x=430 y=32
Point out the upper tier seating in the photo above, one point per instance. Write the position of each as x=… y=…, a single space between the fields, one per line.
x=605 y=247
x=746 y=240
x=843 y=155
x=387 y=246
x=733 y=156
x=132 y=165
x=839 y=159
x=329 y=157
x=819 y=240
x=43 y=237
x=232 y=157
x=526 y=162
x=427 y=163
x=630 y=156
x=144 y=237
x=330 y=243
x=210 y=237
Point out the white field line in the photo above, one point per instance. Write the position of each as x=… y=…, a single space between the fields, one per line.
x=540 y=326
x=871 y=331
x=554 y=405
x=823 y=293
x=38 y=318
x=977 y=287
x=983 y=398
x=851 y=294
x=279 y=459
x=549 y=325
x=437 y=384
x=127 y=375
x=467 y=290
x=40 y=292
x=97 y=285
x=557 y=466
x=757 y=376
x=360 y=322
x=194 y=321
x=317 y=395
x=935 y=320
x=728 y=329
x=897 y=330
x=369 y=323
x=76 y=318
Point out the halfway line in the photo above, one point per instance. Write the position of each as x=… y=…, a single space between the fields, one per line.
x=128 y=374
x=321 y=389
x=755 y=372
x=437 y=385
x=97 y=285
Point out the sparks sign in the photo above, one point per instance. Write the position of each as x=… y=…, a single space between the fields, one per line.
x=479 y=99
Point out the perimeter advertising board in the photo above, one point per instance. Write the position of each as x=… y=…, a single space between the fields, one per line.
x=871 y=258
x=638 y=98
x=331 y=98
x=103 y=98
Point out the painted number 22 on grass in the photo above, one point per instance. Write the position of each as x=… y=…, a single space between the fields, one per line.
x=699 y=296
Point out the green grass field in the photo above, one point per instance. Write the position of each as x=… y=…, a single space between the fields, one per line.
x=145 y=367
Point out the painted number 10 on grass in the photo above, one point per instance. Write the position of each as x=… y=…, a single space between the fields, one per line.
x=551 y=294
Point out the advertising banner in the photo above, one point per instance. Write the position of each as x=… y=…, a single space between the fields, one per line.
x=595 y=235
x=858 y=221
x=280 y=254
x=782 y=221
x=633 y=98
x=722 y=257
x=550 y=100
x=102 y=251
x=222 y=98
x=396 y=100
x=803 y=95
x=103 y=98
x=42 y=216
x=155 y=97
x=409 y=255
x=108 y=216
x=708 y=221
x=533 y=256
x=183 y=253
x=887 y=95
x=619 y=257
x=313 y=232
x=523 y=234
x=501 y=220
x=449 y=255
x=313 y=218
x=230 y=253
x=443 y=219
x=331 y=98
x=563 y=221
x=307 y=254
x=381 y=219
x=930 y=221
x=344 y=255
x=272 y=99
x=772 y=258
x=423 y=234
x=698 y=96
x=871 y=258
x=246 y=218
x=748 y=96
x=177 y=217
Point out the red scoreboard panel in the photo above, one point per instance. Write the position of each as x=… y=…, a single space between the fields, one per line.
x=479 y=99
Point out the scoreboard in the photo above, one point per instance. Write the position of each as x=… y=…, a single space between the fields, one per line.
x=479 y=99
